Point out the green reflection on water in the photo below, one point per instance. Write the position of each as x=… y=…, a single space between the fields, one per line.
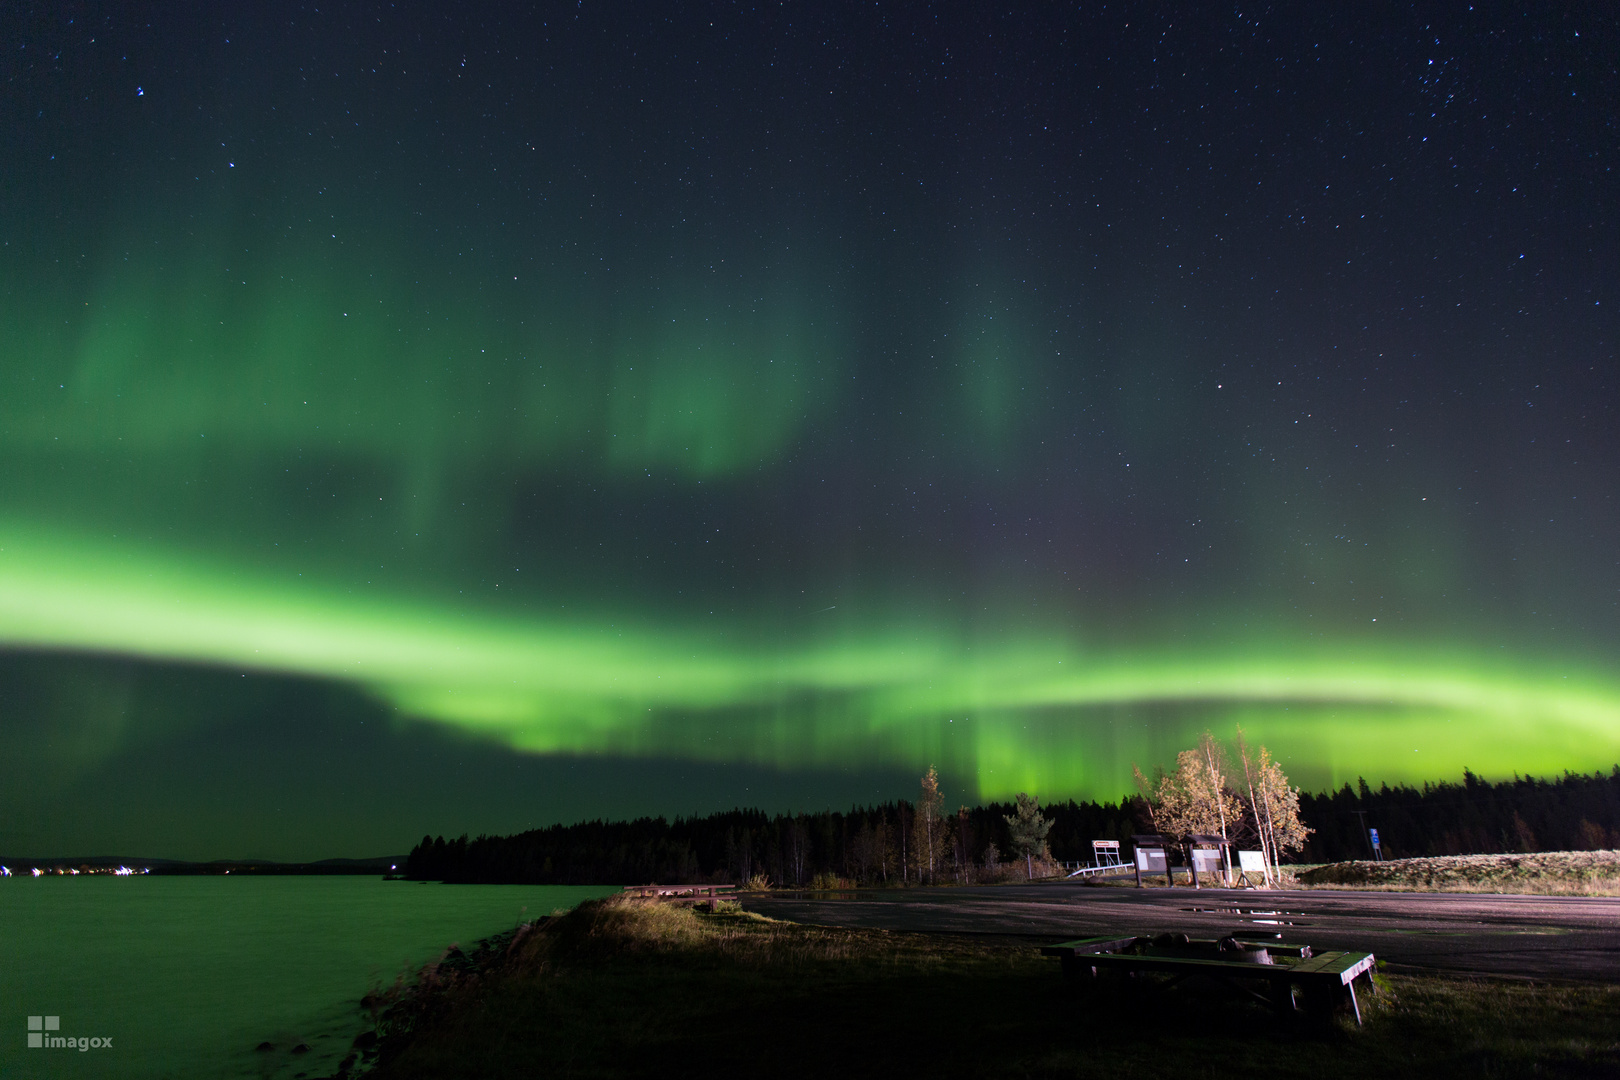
x=188 y=974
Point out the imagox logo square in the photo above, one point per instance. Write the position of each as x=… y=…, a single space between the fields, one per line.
x=38 y=1025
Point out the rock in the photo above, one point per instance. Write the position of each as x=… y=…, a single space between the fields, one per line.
x=301 y=1048
x=365 y=1040
x=264 y=1046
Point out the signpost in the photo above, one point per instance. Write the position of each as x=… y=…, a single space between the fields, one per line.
x=1207 y=853
x=1378 y=851
x=1152 y=855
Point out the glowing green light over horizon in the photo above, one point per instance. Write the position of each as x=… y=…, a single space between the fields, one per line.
x=1015 y=711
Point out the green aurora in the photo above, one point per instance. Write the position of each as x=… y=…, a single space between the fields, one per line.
x=1028 y=709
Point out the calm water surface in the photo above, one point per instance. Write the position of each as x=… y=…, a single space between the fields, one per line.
x=187 y=975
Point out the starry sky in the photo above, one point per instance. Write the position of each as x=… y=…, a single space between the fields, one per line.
x=417 y=421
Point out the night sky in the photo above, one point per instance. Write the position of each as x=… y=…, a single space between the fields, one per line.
x=419 y=421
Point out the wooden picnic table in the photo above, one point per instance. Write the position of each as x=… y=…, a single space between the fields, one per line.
x=1327 y=979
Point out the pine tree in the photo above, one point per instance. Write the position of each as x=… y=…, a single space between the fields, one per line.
x=1027 y=829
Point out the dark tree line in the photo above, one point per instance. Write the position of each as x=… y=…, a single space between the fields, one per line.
x=877 y=845
x=870 y=845
x=1476 y=817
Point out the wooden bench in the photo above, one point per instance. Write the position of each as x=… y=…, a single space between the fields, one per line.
x=1326 y=979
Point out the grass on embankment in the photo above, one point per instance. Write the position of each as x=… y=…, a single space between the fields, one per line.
x=621 y=988
x=1547 y=873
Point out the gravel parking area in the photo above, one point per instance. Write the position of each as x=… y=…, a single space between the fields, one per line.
x=1533 y=937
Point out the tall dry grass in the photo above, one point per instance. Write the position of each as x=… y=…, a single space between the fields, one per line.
x=621 y=927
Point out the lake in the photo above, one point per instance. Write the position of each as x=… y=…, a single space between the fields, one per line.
x=187 y=975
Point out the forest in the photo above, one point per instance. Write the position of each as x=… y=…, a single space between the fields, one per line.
x=884 y=845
